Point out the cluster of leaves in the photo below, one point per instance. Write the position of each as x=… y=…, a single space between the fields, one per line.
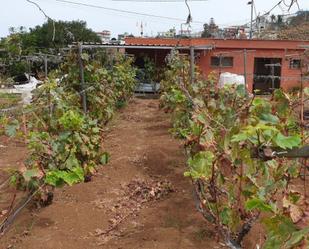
x=230 y=139
x=110 y=82
x=173 y=99
x=147 y=71
x=64 y=143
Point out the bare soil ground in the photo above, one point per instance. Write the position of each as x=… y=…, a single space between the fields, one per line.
x=12 y=155
x=139 y=200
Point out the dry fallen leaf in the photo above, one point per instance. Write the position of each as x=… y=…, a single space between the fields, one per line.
x=296 y=213
x=3 y=212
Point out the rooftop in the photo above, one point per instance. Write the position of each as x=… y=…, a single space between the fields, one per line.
x=218 y=43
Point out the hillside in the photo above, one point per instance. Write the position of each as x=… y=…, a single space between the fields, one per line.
x=300 y=32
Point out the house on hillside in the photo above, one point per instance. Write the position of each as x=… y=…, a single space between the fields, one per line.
x=265 y=64
x=105 y=36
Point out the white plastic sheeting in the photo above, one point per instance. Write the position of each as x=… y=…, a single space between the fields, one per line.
x=31 y=85
x=26 y=89
x=231 y=79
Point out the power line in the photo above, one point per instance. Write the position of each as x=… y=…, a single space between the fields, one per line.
x=46 y=16
x=123 y=11
x=266 y=13
x=278 y=4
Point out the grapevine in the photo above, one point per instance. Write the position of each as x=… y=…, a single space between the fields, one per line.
x=226 y=130
x=64 y=144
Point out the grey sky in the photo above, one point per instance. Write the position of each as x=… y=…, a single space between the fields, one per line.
x=15 y=13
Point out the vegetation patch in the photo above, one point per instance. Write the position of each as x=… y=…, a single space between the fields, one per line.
x=231 y=139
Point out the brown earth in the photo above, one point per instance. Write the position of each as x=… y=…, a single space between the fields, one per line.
x=12 y=155
x=143 y=155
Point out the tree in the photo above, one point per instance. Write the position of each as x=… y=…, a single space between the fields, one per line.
x=41 y=37
x=280 y=22
x=206 y=31
x=210 y=29
x=21 y=42
x=65 y=34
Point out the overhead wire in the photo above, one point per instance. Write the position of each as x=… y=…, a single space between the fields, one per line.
x=266 y=13
x=292 y=3
x=165 y=17
x=123 y=11
x=279 y=5
x=46 y=16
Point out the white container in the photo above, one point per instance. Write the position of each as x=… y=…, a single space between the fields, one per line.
x=231 y=79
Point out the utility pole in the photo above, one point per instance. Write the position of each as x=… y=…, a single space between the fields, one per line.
x=220 y=64
x=251 y=22
x=245 y=68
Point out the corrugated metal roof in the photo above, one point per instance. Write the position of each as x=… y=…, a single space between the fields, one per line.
x=220 y=43
x=146 y=46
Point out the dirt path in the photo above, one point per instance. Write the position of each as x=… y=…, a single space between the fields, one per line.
x=143 y=152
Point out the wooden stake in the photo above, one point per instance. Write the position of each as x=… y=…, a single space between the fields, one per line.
x=24 y=117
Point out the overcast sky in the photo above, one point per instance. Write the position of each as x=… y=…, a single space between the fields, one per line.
x=16 y=13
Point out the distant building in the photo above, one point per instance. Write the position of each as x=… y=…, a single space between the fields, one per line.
x=168 y=34
x=105 y=36
x=235 y=32
x=231 y=32
x=121 y=37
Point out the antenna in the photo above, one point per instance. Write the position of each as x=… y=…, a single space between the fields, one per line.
x=189 y=20
x=141 y=27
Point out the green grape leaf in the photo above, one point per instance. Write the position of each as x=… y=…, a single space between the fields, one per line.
x=31 y=173
x=269 y=118
x=287 y=142
x=239 y=137
x=297 y=238
x=258 y=204
x=11 y=129
x=57 y=177
x=105 y=157
x=72 y=162
x=53 y=178
x=200 y=165
x=71 y=178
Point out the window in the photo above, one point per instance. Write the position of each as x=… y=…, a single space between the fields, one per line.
x=225 y=61
x=295 y=64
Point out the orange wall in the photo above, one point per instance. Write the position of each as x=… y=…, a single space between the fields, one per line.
x=235 y=48
x=290 y=77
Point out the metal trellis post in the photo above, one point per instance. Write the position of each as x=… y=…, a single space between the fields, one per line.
x=192 y=63
x=82 y=77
